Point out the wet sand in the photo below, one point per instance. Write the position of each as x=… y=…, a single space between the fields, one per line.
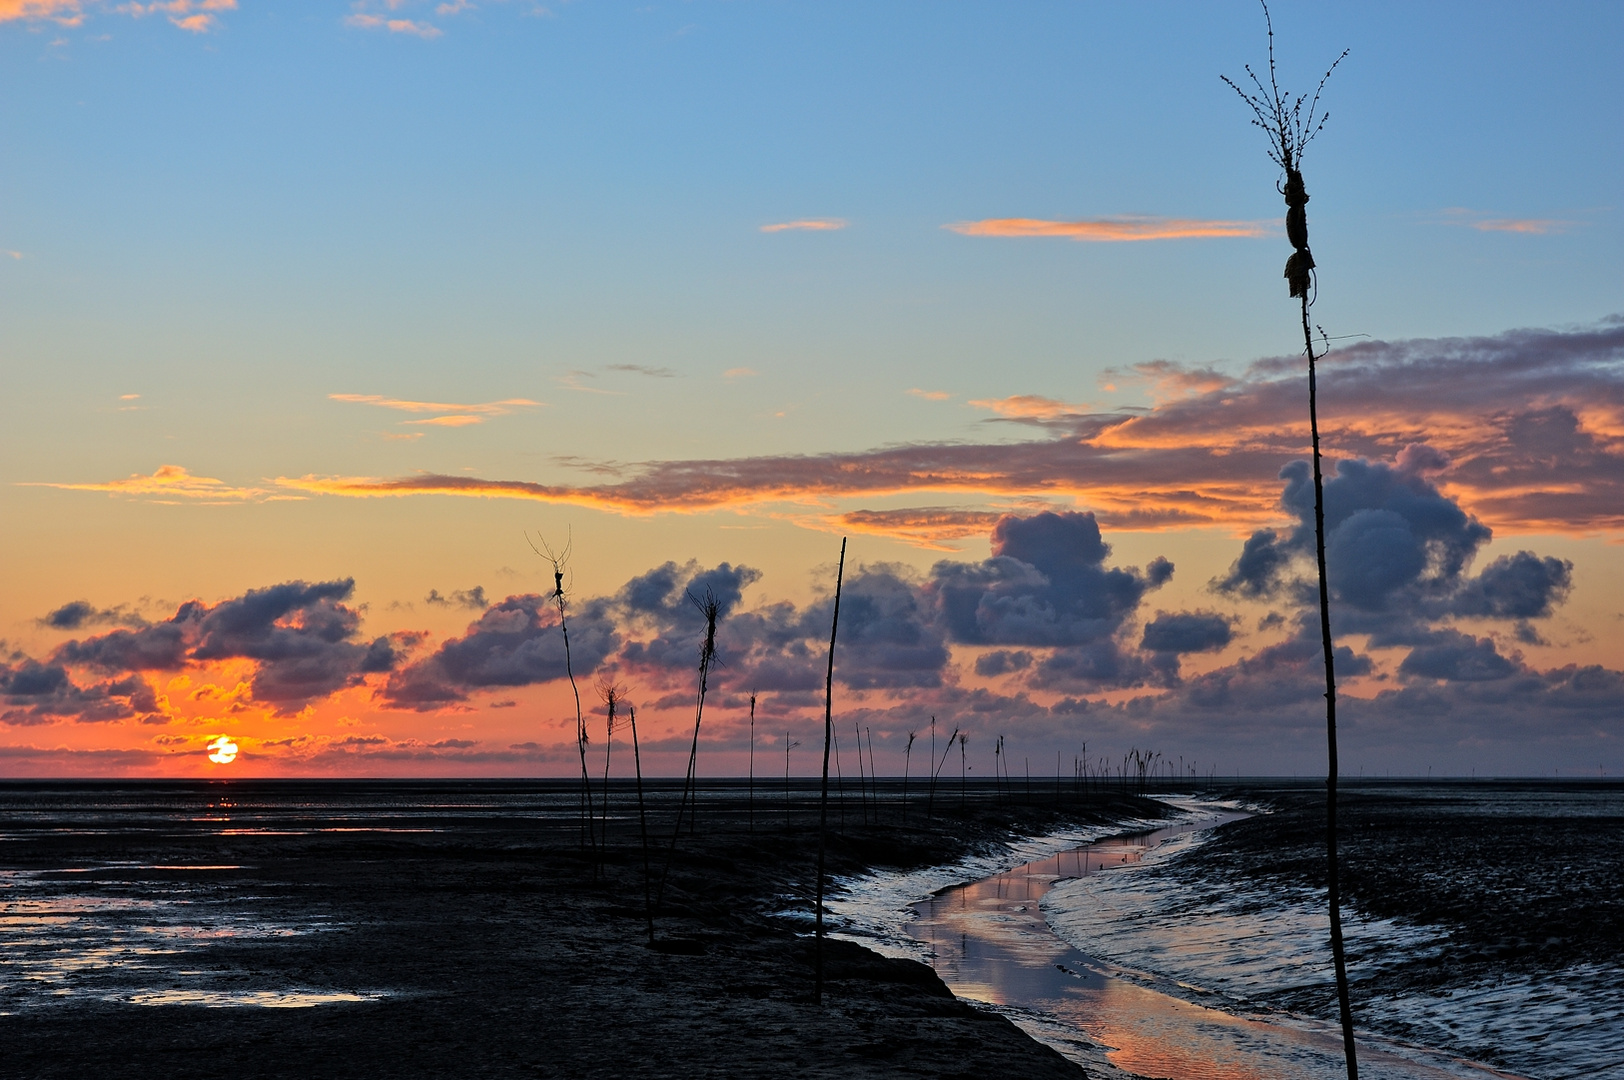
x=460 y=929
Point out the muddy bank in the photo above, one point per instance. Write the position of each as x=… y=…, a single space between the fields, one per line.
x=482 y=938
x=1523 y=875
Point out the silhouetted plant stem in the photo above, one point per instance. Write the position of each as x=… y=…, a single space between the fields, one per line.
x=1289 y=130
x=930 y=804
x=611 y=699
x=873 y=776
x=907 y=763
x=828 y=740
x=560 y=559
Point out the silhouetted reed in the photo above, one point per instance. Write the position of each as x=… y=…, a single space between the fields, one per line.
x=907 y=763
x=711 y=609
x=1289 y=130
x=610 y=694
x=560 y=560
x=930 y=803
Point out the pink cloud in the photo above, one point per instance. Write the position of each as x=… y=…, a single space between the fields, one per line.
x=806 y=225
x=1113 y=229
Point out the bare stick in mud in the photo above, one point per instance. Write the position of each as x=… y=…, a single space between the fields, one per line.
x=1290 y=129
x=788 y=746
x=642 y=822
x=823 y=811
x=862 y=785
x=752 y=761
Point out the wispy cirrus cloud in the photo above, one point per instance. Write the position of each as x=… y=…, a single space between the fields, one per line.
x=924 y=526
x=930 y=395
x=455 y=415
x=1116 y=229
x=170 y=484
x=806 y=225
x=1029 y=407
x=1531 y=424
x=1482 y=222
x=1528 y=427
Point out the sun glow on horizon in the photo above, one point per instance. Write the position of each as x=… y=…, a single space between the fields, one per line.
x=223 y=750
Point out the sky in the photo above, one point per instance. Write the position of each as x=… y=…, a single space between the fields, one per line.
x=324 y=323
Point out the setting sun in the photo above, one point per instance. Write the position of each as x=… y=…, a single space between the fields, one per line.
x=223 y=750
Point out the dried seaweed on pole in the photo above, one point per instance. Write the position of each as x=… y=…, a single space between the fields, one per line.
x=1290 y=128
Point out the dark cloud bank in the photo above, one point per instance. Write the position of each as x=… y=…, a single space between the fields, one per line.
x=1046 y=614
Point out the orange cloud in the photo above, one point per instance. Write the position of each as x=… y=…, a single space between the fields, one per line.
x=806 y=224
x=930 y=395
x=923 y=526
x=191 y=15
x=66 y=12
x=449 y=421
x=172 y=484
x=1029 y=407
x=426 y=31
x=1113 y=229
x=458 y=415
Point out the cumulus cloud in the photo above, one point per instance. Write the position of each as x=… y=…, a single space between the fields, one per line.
x=515 y=642
x=38 y=693
x=1398 y=553
x=303 y=639
x=78 y=614
x=467 y=598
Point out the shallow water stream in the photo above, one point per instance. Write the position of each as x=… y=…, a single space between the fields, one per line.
x=989 y=940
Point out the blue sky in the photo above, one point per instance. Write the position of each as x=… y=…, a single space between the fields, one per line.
x=565 y=205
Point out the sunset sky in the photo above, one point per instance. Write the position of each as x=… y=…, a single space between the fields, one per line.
x=318 y=316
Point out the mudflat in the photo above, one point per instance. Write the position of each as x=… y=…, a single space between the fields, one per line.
x=449 y=929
